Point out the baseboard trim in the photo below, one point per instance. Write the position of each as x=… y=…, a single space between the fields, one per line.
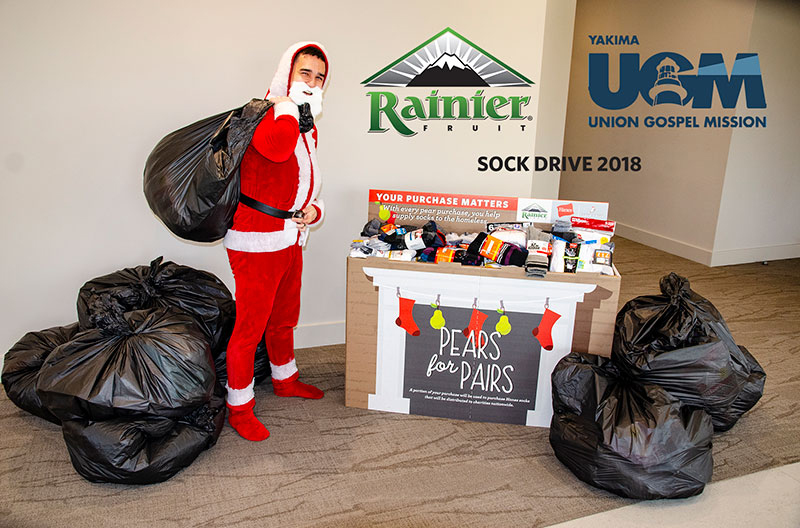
x=664 y=243
x=725 y=257
x=729 y=257
x=319 y=334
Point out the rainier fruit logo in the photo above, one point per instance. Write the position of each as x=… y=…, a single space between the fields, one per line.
x=445 y=60
x=532 y=210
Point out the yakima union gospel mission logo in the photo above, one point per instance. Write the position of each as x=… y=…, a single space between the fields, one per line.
x=445 y=62
x=669 y=79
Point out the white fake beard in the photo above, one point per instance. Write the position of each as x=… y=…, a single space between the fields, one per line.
x=301 y=93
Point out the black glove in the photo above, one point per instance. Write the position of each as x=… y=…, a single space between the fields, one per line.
x=306 y=119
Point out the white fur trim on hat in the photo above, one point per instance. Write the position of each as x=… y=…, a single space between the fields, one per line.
x=257 y=242
x=238 y=397
x=282 y=372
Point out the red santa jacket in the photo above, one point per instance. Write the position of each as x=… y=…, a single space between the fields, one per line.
x=279 y=169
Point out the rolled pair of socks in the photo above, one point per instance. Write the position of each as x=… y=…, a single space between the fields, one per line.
x=408 y=237
x=470 y=259
x=497 y=250
x=432 y=236
x=537 y=263
x=441 y=254
x=371 y=228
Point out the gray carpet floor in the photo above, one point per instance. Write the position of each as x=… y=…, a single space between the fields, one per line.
x=327 y=465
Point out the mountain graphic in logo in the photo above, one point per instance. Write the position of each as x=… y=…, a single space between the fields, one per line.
x=535 y=208
x=447 y=59
x=448 y=71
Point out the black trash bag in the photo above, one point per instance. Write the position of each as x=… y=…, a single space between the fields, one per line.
x=679 y=341
x=752 y=388
x=631 y=439
x=23 y=362
x=143 y=450
x=261 y=368
x=198 y=293
x=147 y=362
x=191 y=178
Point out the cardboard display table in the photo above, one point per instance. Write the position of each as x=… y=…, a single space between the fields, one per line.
x=468 y=342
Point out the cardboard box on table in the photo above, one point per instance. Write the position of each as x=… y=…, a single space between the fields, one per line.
x=443 y=371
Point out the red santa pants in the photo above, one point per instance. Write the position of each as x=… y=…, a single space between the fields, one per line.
x=267 y=304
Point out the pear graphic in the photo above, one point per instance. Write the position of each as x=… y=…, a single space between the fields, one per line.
x=383 y=212
x=437 y=321
x=503 y=326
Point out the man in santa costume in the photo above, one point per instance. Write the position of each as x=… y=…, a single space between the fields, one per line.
x=279 y=185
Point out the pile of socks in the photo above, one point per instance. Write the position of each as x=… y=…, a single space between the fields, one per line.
x=573 y=245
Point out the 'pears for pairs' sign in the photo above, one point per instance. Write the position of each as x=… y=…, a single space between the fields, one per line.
x=490 y=377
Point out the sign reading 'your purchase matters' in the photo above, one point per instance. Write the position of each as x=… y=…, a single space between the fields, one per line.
x=483 y=376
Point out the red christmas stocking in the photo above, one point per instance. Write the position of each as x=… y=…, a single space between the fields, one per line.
x=406 y=319
x=542 y=332
x=475 y=325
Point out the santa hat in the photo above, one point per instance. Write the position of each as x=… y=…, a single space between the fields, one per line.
x=280 y=82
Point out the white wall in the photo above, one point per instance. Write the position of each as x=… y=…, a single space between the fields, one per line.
x=759 y=217
x=89 y=87
x=556 y=57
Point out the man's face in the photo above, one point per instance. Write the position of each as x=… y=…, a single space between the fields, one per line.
x=308 y=69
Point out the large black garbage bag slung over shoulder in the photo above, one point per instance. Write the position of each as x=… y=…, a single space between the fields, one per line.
x=23 y=362
x=679 y=341
x=148 y=362
x=191 y=178
x=631 y=439
x=144 y=450
x=198 y=293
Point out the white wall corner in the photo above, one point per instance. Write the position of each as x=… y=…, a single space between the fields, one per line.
x=553 y=92
x=729 y=257
x=664 y=243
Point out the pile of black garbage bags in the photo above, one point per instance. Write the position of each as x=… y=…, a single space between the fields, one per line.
x=640 y=424
x=133 y=383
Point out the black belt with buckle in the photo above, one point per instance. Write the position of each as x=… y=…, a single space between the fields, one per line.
x=266 y=209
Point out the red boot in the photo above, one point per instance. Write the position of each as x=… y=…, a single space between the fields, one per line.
x=293 y=387
x=245 y=423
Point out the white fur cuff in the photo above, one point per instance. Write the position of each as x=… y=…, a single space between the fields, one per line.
x=238 y=397
x=281 y=372
x=287 y=108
